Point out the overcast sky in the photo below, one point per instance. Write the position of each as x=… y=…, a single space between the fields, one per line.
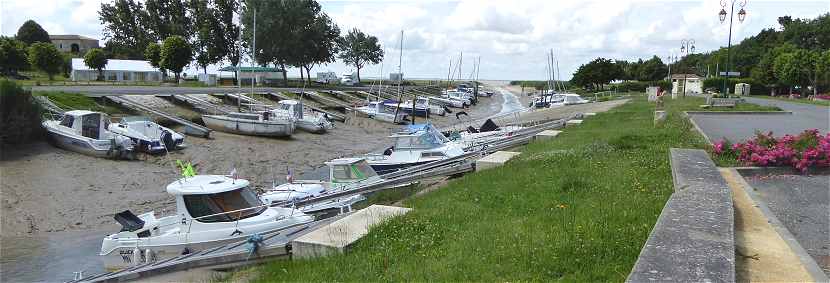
x=511 y=36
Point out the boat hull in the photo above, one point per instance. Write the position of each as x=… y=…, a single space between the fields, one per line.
x=311 y=127
x=386 y=168
x=96 y=148
x=249 y=127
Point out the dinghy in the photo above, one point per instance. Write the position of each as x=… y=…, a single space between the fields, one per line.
x=87 y=132
x=415 y=145
x=309 y=121
x=255 y=124
x=344 y=174
x=474 y=138
x=211 y=210
x=147 y=135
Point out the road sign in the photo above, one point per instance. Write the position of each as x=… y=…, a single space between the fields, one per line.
x=731 y=74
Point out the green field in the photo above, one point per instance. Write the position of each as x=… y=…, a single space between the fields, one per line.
x=577 y=208
x=75 y=101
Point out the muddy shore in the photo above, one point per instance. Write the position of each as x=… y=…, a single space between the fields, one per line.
x=46 y=189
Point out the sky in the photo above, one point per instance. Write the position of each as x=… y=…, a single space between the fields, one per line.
x=511 y=37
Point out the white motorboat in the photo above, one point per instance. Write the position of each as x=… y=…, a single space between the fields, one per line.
x=378 y=110
x=447 y=102
x=406 y=107
x=87 y=132
x=344 y=174
x=463 y=97
x=417 y=144
x=564 y=99
x=147 y=135
x=308 y=121
x=256 y=124
x=211 y=210
x=474 y=138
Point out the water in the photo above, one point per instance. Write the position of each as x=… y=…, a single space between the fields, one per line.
x=50 y=257
x=510 y=102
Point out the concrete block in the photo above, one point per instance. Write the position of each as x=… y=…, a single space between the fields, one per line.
x=546 y=135
x=589 y=114
x=337 y=236
x=659 y=116
x=496 y=159
x=573 y=122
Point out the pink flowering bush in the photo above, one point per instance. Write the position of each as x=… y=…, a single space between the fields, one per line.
x=807 y=149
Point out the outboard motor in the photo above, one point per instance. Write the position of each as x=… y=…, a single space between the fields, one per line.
x=167 y=139
x=129 y=222
x=388 y=151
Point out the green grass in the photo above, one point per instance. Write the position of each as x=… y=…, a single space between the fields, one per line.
x=576 y=208
x=76 y=101
x=798 y=100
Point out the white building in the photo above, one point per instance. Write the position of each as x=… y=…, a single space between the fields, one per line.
x=693 y=83
x=116 y=70
x=262 y=75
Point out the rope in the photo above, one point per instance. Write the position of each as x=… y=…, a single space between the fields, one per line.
x=253 y=244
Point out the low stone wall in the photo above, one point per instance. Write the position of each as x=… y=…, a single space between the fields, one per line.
x=694 y=237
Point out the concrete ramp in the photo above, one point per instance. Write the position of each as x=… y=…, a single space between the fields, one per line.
x=339 y=235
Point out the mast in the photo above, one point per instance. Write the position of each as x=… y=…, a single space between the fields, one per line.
x=400 y=90
x=253 y=57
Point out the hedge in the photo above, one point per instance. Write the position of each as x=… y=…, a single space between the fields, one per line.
x=755 y=88
x=20 y=115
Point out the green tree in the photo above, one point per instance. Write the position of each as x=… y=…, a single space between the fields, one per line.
x=797 y=68
x=175 y=54
x=225 y=10
x=209 y=42
x=45 y=57
x=153 y=55
x=96 y=59
x=166 y=18
x=13 y=56
x=320 y=44
x=124 y=28
x=357 y=49
x=31 y=32
x=20 y=116
x=653 y=70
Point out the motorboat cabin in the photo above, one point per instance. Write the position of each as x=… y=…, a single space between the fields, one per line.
x=211 y=210
x=415 y=145
x=88 y=132
x=308 y=121
x=381 y=111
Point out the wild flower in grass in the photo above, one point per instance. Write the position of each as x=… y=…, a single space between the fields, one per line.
x=802 y=151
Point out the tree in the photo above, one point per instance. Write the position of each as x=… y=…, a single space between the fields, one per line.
x=320 y=44
x=153 y=55
x=175 y=54
x=209 y=42
x=45 y=57
x=653 y=70
x=13 y=56
x=166 y=18
x=797 y=68
x=278 y=36
x=96 y=59
x=31 y=32
x=225 y=10
x=124 y=28
x=357 y=49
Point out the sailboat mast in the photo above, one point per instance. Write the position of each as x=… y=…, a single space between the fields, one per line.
x=400 y=90
x=253 y=57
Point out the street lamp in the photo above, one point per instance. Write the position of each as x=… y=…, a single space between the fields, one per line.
x=741 y=17
x=687 y=47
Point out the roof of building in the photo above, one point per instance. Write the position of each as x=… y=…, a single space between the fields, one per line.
x=251 y=69
x=205 y=184
x=69 y=37
x=116 y=65
x=687 y=76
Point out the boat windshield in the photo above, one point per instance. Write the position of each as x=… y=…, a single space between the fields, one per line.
x=217 y=206
x=347 y=173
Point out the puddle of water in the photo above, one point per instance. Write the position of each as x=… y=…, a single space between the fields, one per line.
x=511 y=102
x=50 y=257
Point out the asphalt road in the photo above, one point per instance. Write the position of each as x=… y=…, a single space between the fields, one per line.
x=800 y=203
x=742 y=127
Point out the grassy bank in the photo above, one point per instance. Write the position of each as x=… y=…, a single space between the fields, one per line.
x=577 y=208
x=76 y=101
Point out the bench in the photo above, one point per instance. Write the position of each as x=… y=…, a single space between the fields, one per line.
x=721 y=102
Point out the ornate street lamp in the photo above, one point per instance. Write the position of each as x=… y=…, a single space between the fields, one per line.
x=687 y=47
x=722 y=16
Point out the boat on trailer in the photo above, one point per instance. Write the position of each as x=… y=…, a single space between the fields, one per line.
x=344 y=174
x=475 y=138
x=265 y=123
x=565 y=99
x=415 y=145
x=309 y=121
x=87 y=132
x=147 y=135
x=211 y=210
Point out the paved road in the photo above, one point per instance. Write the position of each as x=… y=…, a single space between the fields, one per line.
x=742 y=127
x=801 y=204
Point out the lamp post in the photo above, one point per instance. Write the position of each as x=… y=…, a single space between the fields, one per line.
x=741 y=17
x=687 y=47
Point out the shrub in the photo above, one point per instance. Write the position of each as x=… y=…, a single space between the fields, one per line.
x=20 y=115
x=807 y=149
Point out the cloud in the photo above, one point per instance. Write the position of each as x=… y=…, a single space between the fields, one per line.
x=511 y=36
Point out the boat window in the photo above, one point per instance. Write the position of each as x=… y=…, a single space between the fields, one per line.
x=364 y=168
x=67 y=120
x=214 y=204
x=285 y=106
x=344 y=173
x=90 y=126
